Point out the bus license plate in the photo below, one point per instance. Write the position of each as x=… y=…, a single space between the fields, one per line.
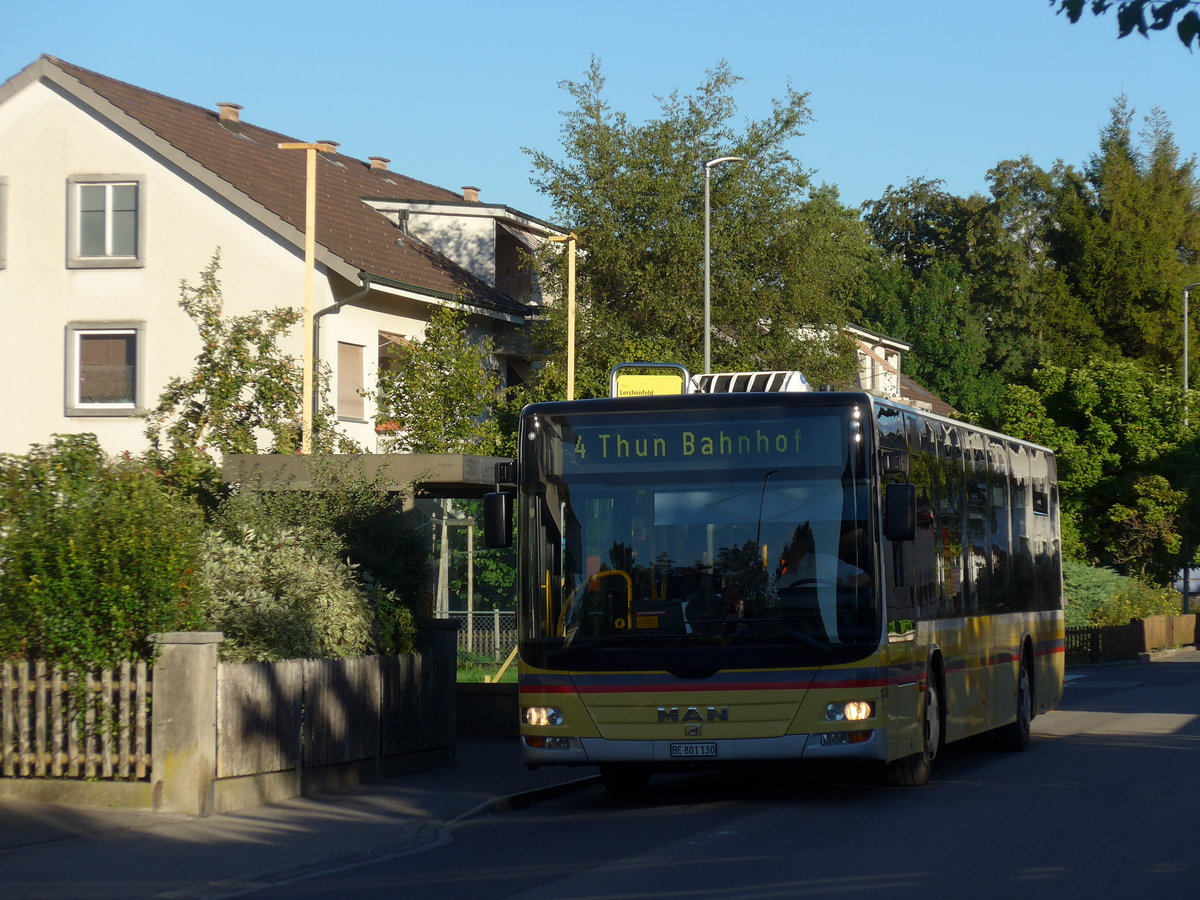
x=707 y=750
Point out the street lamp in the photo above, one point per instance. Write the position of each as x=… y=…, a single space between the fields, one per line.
x=708 y=167
x=1187 y=288
x=1187 y=555
x=571 y=240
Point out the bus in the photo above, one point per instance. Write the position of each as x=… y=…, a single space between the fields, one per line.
x=739 y=573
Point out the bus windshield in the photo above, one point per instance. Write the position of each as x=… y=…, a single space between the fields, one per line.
x=740 y=528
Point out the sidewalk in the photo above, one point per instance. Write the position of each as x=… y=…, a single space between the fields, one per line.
x=51 y=851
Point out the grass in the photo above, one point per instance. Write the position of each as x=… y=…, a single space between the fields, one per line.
x=474 y=668
x=477 y=676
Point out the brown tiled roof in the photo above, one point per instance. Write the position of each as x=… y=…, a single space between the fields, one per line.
x=248 y=159
x=912 y=393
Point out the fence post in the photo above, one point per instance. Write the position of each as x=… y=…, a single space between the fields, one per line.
x=184 y=722
x=439 y=686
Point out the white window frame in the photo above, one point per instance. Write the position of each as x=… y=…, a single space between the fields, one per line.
x=75 y=260
x=74 y=406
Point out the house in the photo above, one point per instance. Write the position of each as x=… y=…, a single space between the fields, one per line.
x=111 y=195
x=879 y=372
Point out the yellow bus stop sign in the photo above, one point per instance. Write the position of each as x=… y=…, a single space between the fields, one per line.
x=649 y=385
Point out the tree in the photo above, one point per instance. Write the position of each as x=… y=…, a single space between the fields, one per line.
x=936 y=314
x=1119 y=436
x=242 y=386
x=1023 y=295
x=1128 y=235
x=920 y=223
x=1142 y=530
x=437 y=392
x=1131 y=16
x=786 y=257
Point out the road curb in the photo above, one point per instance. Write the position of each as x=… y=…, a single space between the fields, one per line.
x=523 y=799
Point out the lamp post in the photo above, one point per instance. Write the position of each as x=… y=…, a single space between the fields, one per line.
x=708 y=167
x=571 y=240
x=1187 y=553
x=310 y=257
x=1187 y=289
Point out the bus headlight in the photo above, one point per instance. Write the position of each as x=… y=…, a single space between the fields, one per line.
x=850 y=711
x=543 y=715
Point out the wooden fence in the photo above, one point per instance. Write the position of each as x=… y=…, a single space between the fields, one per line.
x=300 y=718
x=223 y=736
x=1116 y=642
x=44 y=733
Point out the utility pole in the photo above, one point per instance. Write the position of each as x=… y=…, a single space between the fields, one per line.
x=310 y=265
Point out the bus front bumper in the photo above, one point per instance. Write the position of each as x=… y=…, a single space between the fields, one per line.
x=598 y=751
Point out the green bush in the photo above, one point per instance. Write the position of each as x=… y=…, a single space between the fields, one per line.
x=349 y=536
x=1097 y=596
x=275 y=597
x=95 y=556
x=348 y=517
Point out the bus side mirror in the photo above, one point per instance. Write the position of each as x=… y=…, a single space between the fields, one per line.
x=900 y=512
x=497 y=520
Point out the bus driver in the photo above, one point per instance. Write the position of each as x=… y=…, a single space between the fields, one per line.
x=800 y=565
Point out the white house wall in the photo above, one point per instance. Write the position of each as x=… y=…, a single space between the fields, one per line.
x=360 y=324
x=470 y=241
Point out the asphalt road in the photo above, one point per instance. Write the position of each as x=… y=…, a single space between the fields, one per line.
x=1103 y=804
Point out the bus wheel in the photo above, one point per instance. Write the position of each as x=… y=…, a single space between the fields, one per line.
x=913 y=771
x=624 y=781
x=1015 y=735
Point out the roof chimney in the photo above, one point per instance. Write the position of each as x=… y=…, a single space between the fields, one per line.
x=470 y=194
x=229 y=112
x=378 y=163
x=330 y=146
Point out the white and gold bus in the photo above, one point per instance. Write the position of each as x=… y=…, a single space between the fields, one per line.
x=730 y=575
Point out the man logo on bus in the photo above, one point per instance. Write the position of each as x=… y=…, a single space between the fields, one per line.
x=693 y=714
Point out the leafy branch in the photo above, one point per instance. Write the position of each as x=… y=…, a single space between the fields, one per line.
x=1142 y=16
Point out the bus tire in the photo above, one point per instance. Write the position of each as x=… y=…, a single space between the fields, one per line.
x=1014 y=736
x=913 y=771
x=624 y=781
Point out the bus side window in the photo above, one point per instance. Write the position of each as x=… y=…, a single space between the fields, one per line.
x=977 y=522
x=926 y=548
x=1022 y=530
x=1042 y=532
x=1000 y=525
x=898 y=575
x=950 y=462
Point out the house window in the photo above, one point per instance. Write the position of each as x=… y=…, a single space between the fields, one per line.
x=104 y=368
x=105 y=222
x=350 y=381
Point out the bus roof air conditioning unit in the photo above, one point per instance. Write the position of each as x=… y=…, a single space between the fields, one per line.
x=749 y=382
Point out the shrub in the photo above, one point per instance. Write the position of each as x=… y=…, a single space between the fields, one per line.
x=1097 y=596
x=95 y=556
x=346 y=516
x=275 y=597
x=349 y=525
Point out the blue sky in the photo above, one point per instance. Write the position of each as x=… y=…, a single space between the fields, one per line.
x=450 y=92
